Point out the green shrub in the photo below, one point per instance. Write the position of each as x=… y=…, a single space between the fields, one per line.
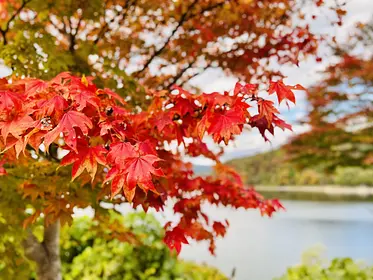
x=354 y=176
x=87 y=256
x=90 y=253
x=308 y=177
x=314 y=267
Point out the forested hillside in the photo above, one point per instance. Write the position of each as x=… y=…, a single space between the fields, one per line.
x=274 y=168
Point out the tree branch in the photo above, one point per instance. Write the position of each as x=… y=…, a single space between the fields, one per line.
x=61 y=30
x=73 y=36
x=16 y=13
x=194 y=75
x=209 y=8
x=179 y=75
x=184 y=17
x=105 y=27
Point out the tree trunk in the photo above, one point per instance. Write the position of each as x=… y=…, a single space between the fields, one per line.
x=46 y=254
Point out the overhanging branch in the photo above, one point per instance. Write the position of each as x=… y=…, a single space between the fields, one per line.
x=14 y=15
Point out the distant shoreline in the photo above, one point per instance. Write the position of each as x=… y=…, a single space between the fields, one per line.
x=329 y=189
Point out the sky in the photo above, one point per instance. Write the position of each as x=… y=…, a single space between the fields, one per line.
x=307 y=74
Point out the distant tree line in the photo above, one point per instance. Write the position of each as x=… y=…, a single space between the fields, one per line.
x=275 y=168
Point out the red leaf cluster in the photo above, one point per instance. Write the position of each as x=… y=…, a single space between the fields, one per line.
x=130 y=150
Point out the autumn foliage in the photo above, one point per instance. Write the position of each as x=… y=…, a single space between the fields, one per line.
x=102 y=109
x=125 y=155
x=340 y=112
x=158 y=43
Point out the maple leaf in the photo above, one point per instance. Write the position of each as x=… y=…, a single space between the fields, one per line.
x=202 y=125
x=31 y=219
x=228 y=172
x=183 y=106
x=281 y=124
x=162 y=120
x=219 y=229
x=134 y=166
x=214 y=99
x=120 y=152
x=86 y=159
x=10 y=101
x=175 y=238
x=283 y=91
x=55 y=107
x=61 y=78
x=82 y=97
x=267 y=109
x=16 y=127
x=199 y=148
x=262 y=124
x=248 y=89
x=268 y=207
x=148 y=200
x=139 y=170
x=224 y=125
x=67 y=125
x=119 y=183
x=113 y=95
x=32 y=191
x=34 y=86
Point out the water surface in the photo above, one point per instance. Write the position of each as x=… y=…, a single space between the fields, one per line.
x=262 y=248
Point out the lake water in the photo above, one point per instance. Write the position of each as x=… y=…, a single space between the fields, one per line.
x=262 y=248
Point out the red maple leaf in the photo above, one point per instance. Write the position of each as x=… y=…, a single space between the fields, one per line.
x=162 y=120
x=283 y=91
x=16 y=127
x=83 y=97
x=215 y=98
x=266 y=109
x=10 y=101
x=119 y=152
x=281 y=123
x=113 y=95
x=175 y=238
x=119 y=183
x=86 y=159
x=219 y=229
x=133 y=166
x=139 y=170
x=224 y=125
x=67 y=125
x=34 y=86
x=182 y=106
x=248 y=89
x=262 y=124
x=55 y=107
x=202 y=125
